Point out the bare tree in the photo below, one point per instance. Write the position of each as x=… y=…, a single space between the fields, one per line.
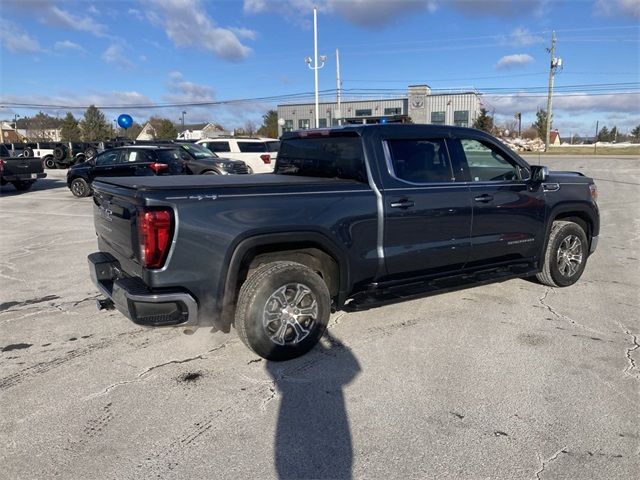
x=249 y=128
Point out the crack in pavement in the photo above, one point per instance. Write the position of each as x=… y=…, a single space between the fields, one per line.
x=545 y=463
x=632 y=363
x=336 y=320
x=141 y=376
x=561 y=316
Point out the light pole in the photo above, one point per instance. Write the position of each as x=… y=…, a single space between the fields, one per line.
x=183 y=114
x=315 y=66
x=15 y=122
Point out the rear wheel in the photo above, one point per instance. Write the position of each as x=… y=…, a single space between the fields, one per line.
x=27 y=152
x=90 y=152
x=210 y=172
x=566 y=255
x=283 y=310
x=79 y=187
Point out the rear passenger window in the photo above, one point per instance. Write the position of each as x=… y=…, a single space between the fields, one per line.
x=218 y=146
x=252 y=147
x=486 y=163
x=420 y=161
x=332 y=157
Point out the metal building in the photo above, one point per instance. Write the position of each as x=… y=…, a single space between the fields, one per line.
x=420 y=105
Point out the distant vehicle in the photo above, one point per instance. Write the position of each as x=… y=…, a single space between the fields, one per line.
x=129 y=161
x=203 y=161
x=258 y=153
x=21 y=172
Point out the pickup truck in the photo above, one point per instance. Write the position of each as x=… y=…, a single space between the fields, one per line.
x=351 y=217
x=21 y=172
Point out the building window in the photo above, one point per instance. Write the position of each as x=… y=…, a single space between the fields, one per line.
x=303 y=124
x=393 y=111
x=437 y=118
x=461 y=118
x=365 y=112
x=288 y=126
x=334 y=122
x=322 y=123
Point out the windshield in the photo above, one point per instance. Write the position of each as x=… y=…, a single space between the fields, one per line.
x=198 y=151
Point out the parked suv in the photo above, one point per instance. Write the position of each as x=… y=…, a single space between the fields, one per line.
x=202 y=161
x=258 y=153
x=134 y=160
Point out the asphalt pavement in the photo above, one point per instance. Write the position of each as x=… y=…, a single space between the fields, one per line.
x=512 y=380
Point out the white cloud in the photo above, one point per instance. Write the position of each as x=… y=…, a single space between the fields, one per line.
x=573 y=103
x=522 y=37
x=187 y=24
x=67 y=45
x=498 y=8
x=618 y=7
x=16 y=40
x=134 y=12
x=115 y=55
x=516 y=60
x=182 y=91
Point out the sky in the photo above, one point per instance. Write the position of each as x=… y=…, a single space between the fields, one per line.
x=128 y=53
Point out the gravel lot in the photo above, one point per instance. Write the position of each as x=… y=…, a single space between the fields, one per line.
x=511 y=380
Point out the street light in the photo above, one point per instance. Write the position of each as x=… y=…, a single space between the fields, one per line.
x=183 y=114
x=15 y=122
x=315 y=66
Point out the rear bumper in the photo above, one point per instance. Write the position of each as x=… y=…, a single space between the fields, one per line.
x=23 y=177
x=136 y=301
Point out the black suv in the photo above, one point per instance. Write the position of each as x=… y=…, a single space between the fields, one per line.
x=130 y=161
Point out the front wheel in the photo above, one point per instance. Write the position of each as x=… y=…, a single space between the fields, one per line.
x=79 y=187
x=566 y=255
x=283 y=310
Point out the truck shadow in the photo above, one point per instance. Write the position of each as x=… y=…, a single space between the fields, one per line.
x=9 y=190
x=313 y=439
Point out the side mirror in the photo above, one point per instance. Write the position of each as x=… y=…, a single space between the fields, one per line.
x=539 y=173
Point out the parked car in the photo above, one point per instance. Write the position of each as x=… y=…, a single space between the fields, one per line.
x=21 y=172
x=202 y=161
x=133 y=160
x=258 y=153
x=357 y=215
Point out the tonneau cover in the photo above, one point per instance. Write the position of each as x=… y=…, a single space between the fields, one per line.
x=177 y=182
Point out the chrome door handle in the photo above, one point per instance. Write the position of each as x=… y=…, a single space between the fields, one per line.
x=484 y=198
x=402 y=204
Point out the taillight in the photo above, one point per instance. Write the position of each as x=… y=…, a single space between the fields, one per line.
x=266 y=158
x=1 y=165
x=155 y=229
x=158 y=167
x=593 y=189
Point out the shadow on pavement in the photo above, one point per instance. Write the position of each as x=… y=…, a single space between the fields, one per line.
x=9 y=190
x=313 y=439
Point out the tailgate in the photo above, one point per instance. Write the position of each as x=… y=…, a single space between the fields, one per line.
x=21 y=166
x=115 y=212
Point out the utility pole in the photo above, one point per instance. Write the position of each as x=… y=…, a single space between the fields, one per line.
x=595 y=140
x=338 y=86
x=315 y=66
x=519 y=118
x=555 y=63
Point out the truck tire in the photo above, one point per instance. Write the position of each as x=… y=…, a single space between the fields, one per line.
x=91 y=152
x=22 y=186
x=283 y=310
x=49 y=162
x=80 y=188
x=27 y=152
x=60 y=152
x=566 y=255
x=209 y=172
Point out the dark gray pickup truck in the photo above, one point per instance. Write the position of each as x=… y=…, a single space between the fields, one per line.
x=21 y=172
x=352 y=217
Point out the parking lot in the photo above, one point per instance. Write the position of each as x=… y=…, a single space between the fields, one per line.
x=508 y=380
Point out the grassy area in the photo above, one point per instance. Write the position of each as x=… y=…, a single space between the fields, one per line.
x=589 y=150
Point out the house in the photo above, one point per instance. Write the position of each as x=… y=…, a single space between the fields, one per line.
x=8 y=134
x=554 y=137
x=200 y=131
x=147 y=132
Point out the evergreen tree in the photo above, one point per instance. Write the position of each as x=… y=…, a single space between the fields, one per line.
x=94 y=125
x=613 y=135
x=269 y=126
x=70 y=131
x=603 y=134
x=635 y=134
x=541 y=123
x=484 y=122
